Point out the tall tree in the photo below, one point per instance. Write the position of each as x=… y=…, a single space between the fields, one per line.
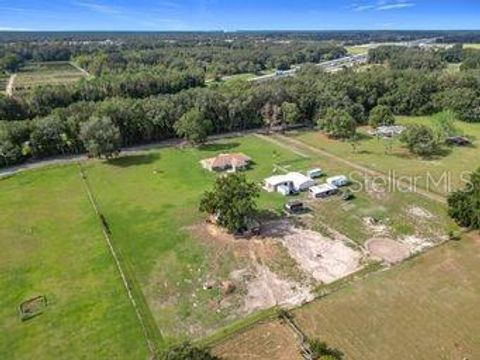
x=420 y=140
x=232 y=201
x=381 y=115
x=464 y=204
x=100 y=137
x=338 y=123
x=290 y=113
x=193 y=126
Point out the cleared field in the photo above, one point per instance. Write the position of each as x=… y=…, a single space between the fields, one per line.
x=52 y=245
x=426 y=308
x=270 y=340
x=46 y=73
x=358 y=49
x=471 y=46
x=438 y=174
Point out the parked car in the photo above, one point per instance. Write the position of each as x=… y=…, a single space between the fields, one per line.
x=294 y=207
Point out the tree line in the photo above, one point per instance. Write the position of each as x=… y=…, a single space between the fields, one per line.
x=41 y=100
x=312 y=97
x=216 y=59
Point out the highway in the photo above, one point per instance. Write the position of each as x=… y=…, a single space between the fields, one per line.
x=342 y=63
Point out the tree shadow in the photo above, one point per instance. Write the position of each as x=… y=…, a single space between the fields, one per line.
x=134 y=160
x=216 y=147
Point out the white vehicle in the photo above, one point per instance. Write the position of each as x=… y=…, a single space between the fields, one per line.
x=338 y=181
x=314 y=173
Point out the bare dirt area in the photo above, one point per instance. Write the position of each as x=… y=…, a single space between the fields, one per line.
x=263 y=273
x=267 y=289
x=388 y=250
x=419 y=213
x=417 y=244
x=270 y=340
x=325 y=259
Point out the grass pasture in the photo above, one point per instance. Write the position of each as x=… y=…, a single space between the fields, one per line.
x=430 y=173
x=424 y=308
x=52 y=245
x=46 y=73
x=150 y=204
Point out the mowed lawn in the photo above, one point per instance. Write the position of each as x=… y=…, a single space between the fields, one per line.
x=151 y=203
x=426 y=308
x=439 y=174
x=52 y=245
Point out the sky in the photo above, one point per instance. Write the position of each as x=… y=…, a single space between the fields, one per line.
x=231 y=15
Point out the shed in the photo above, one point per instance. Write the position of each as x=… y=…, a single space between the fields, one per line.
x=295 y=181
x=323 y=191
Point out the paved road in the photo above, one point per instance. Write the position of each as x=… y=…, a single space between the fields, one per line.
x=68 y=159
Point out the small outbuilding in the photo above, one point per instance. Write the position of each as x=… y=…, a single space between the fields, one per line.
x=323 y=191
x=338 y=181
x=293 y=181
x=388 y=131
x=224 y=162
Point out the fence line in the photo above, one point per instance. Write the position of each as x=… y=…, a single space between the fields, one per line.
x=126 y=283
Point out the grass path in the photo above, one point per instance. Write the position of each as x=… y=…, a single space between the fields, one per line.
x=296 y=145
x=11 y=81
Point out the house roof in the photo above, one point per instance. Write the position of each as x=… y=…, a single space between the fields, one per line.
x=225 y=160
x=292 y=177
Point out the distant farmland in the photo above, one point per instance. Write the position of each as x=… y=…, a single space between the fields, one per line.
x=46 y=73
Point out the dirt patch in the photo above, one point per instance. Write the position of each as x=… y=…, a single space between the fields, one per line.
x=267 y=289
x=325 y=259
x=419 y=212
x=416 y=244
x=388 y=250
x=376 y=226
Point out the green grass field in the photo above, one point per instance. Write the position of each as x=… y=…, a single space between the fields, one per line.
x=357 y=50
x=46 y=73
x=372 y=153
x=150 y=201
x=52 y=245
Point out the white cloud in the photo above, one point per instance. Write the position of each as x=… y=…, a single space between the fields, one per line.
x=96 y=7
x=382 y=5
x=9 y=28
